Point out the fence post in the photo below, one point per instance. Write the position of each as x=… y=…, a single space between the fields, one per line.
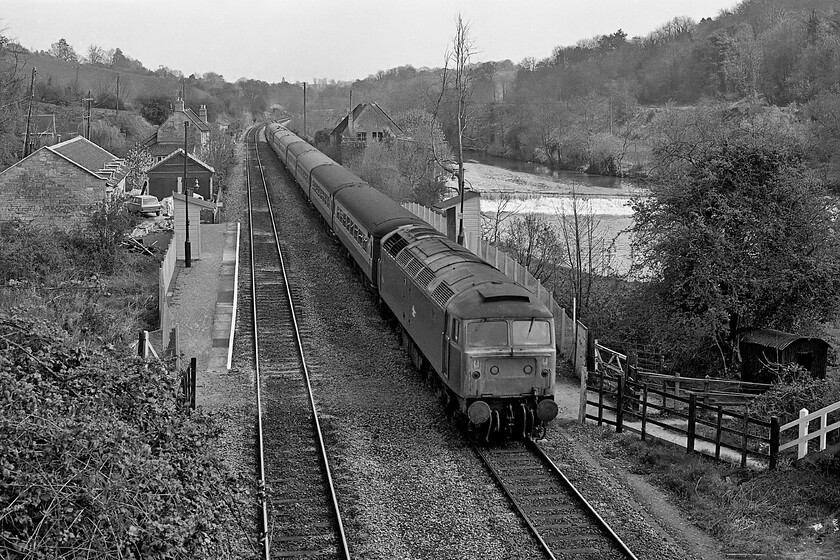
x=692 y=420
x=744 y=441
x=802 y=449
x=192 y=382
x=141 y=349
x=774 y=442
x=619 y=406
x=718 y=431
x=644 y=409
x=677 y=390
x=600 y=398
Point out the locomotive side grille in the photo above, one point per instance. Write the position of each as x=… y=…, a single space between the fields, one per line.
x=395 y=244
x=403 y=258
x=442 y=294
x=425 y=276
x=414 y=266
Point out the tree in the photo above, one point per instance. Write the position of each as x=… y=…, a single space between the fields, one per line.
x=12 y=96
x=745 y=238
x=139 y=162
x=96 y=55
x=458 y=80
x=154 y=107
x=64 y=51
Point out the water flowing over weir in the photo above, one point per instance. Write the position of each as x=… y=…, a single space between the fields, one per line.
x=554 y=194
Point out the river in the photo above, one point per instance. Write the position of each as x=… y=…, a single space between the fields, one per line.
x=517 y=187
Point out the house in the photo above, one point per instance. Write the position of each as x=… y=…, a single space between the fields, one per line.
x=165 y=177
x=60 y=185
x=451 y=208
x=366 y=123
x=762 y=349
x=170 y=135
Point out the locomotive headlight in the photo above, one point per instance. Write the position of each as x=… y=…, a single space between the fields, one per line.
x=476 y=374
x=528 y=369
x=494 y=370
x=545 y=372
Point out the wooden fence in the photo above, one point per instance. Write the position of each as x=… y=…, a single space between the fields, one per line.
x=166 y=272
x=709 y=429
x=802 y=425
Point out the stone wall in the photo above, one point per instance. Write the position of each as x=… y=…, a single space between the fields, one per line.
x=47 y=190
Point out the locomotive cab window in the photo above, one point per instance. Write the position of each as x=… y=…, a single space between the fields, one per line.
x=487 y=333
x=531 y=332
x=455 y=329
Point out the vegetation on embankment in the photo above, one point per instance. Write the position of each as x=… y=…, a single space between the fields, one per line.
x=100 y=456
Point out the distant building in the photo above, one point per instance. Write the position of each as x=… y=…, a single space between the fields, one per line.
x=762 y=349
x=170 y=135
x=60 y=185
x=366 y=123
x=165 y=177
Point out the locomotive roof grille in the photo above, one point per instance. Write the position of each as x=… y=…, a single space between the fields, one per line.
x=395 y=244
x=403 y=258
x=442 y=294
x=413 y=266
x=425 y=276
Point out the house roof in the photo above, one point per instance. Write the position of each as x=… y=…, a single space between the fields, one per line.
x=456 y=200
x=92 y=158
x=357 y=112
x=42 y=124
x=777 y=340
x=180 y=152
x=196 y=120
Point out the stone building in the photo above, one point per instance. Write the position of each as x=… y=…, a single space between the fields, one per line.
x=60 y=185
x=366 y=123
x=170 y=135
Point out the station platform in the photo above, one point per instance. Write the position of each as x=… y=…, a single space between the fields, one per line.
x=203 y=307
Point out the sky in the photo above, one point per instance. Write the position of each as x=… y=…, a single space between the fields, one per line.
x=299 y=40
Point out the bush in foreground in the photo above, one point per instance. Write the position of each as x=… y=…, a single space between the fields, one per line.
x=100 y=458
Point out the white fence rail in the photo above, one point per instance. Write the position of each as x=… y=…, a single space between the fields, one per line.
x=803 y=425
x=512 y=269
x=166 y=271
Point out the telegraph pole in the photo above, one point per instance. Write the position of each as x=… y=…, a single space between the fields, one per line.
x=29 y=114
x=88 y=101
x=117 y=110
x=304 y=111
x=187 y=248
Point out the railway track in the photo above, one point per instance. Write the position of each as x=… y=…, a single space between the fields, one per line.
x=563 y=522
x=300 y=513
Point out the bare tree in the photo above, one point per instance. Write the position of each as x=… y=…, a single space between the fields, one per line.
x=456 y=77
x=96 y=55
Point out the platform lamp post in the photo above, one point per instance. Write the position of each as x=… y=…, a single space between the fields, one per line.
x=187 y=248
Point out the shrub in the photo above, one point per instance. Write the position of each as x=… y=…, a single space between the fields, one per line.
x=101 y=458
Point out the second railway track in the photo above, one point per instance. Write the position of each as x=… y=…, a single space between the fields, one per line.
x=301 y=514
x=560 y=518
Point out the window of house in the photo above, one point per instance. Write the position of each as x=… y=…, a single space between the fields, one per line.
x=378 y=136
x=361 y=136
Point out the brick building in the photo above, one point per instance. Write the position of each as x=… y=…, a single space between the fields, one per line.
x=170 y=135
x=60 y=185
x=366 y=123
x=165 y=176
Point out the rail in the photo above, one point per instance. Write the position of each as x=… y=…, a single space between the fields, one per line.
x=802 y=425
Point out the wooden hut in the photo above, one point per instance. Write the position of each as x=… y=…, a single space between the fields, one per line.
x=761 y=349
x=451 y=208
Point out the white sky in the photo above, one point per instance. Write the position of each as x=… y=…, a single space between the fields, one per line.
x=340 y=39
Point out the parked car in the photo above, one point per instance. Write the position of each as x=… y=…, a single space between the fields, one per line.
x=143 y=204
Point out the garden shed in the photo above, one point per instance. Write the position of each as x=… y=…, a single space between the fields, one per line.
x=762 y=347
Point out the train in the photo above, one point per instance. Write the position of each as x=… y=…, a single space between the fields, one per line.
x=484 y=341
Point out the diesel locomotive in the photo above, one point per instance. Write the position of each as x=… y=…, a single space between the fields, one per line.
x=486 y=342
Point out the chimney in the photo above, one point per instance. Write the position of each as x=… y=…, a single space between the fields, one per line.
x=202 y=113
x=179 y=105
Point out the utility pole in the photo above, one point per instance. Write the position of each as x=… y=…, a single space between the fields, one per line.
x=29 y=114
x=304 y=111
x=187 y=248
x=88 y=107
x=117 y=111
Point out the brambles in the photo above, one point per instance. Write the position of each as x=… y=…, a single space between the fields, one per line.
x=100 y=457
